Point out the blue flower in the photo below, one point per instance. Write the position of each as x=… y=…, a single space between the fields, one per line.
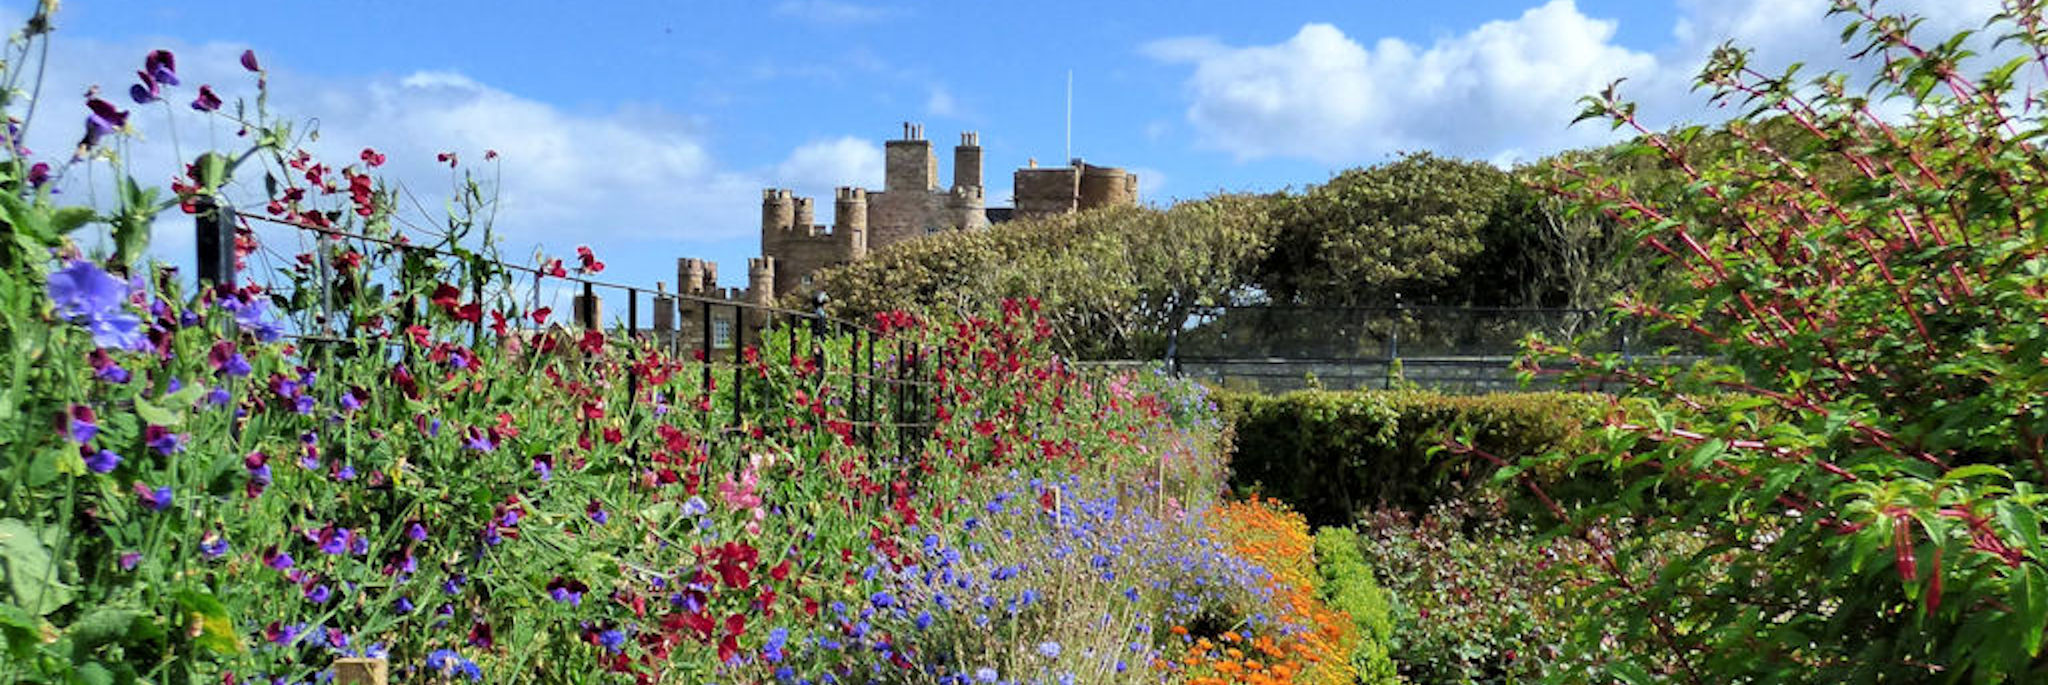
x=93 y=298
x=448 y=662
x=103 y=461
x=1049 y=649
x=985 y=674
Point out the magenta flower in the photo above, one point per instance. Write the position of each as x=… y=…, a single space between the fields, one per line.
x=160 y=66
x=103 y=118
x=249 y=61
x=39 y=174
x=207 y=100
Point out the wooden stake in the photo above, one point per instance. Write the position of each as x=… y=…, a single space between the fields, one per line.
x=357 y=671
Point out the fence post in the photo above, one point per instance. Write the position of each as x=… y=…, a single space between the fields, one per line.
x=360 y=671
x=588 y=311
x=215 y=224
x=739 y=366
x=1394 y=341
x=664 y=324
x=633 y=313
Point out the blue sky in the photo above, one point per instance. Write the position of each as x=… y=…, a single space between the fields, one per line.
x=647 y=129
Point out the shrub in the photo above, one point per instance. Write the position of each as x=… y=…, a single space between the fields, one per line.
x=1335 y=454
x=1475 y=597
x=1874 y=272
x=1349 y=587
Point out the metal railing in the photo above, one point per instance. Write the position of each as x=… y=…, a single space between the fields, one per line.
x=888 y=379
x=1448 y=348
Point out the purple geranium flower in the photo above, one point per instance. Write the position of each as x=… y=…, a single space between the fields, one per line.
x=319 y=594
x=249 y=61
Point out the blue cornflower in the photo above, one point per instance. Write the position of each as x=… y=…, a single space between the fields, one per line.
x=882 y=600
x=612 y=640
x=1049 y=649
x=985 y=674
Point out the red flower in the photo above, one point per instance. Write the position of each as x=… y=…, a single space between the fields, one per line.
x=541 y=315
x=372 y=157
x=448 y=157
x=590 y=263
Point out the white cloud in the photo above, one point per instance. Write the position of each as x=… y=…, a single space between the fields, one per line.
x=831 y=11
x=633 y=174
x=941 y=103
x=1504 y=90
x=826 y=164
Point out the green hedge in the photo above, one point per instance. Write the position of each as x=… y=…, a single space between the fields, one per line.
x=1335 y=454
x=1348 y=586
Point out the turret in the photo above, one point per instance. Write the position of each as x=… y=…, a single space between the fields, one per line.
x=802 y=217
x=696 y=277
x=908 y=164
x=967 y=161
x=761 y=280
x=850 y=223
x=778 y=214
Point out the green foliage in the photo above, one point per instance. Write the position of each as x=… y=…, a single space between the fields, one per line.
x=1879 y=283
x=1336 y=454
x=1348 y=586
x=1413 y=226
x=1112 y=281
x=1476 y=597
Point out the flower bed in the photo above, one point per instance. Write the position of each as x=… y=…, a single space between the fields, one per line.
x=196 y=493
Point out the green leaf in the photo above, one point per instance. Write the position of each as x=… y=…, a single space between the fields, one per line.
x=166 y=417
x=213 y=171
x=19 y=630
x=1707 y=452
x=92 y=674
x=215 y=630
x=28 y=568
x=103 y=625
x=67 y=219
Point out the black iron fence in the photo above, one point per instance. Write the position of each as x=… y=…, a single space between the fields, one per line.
x=886 y=381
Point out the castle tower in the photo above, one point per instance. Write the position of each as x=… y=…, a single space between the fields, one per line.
x=761 y=280
x=802 y=217
x=967 y=161
x=696 y=277
x=908 y=164
x=778 y=215
x=850 y=223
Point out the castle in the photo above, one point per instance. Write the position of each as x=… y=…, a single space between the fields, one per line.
x=910 y=205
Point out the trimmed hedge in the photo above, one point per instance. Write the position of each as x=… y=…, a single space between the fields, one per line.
x=1348 y=586
x=1335 y=454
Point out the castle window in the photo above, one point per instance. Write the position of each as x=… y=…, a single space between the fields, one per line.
x=721 y=333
